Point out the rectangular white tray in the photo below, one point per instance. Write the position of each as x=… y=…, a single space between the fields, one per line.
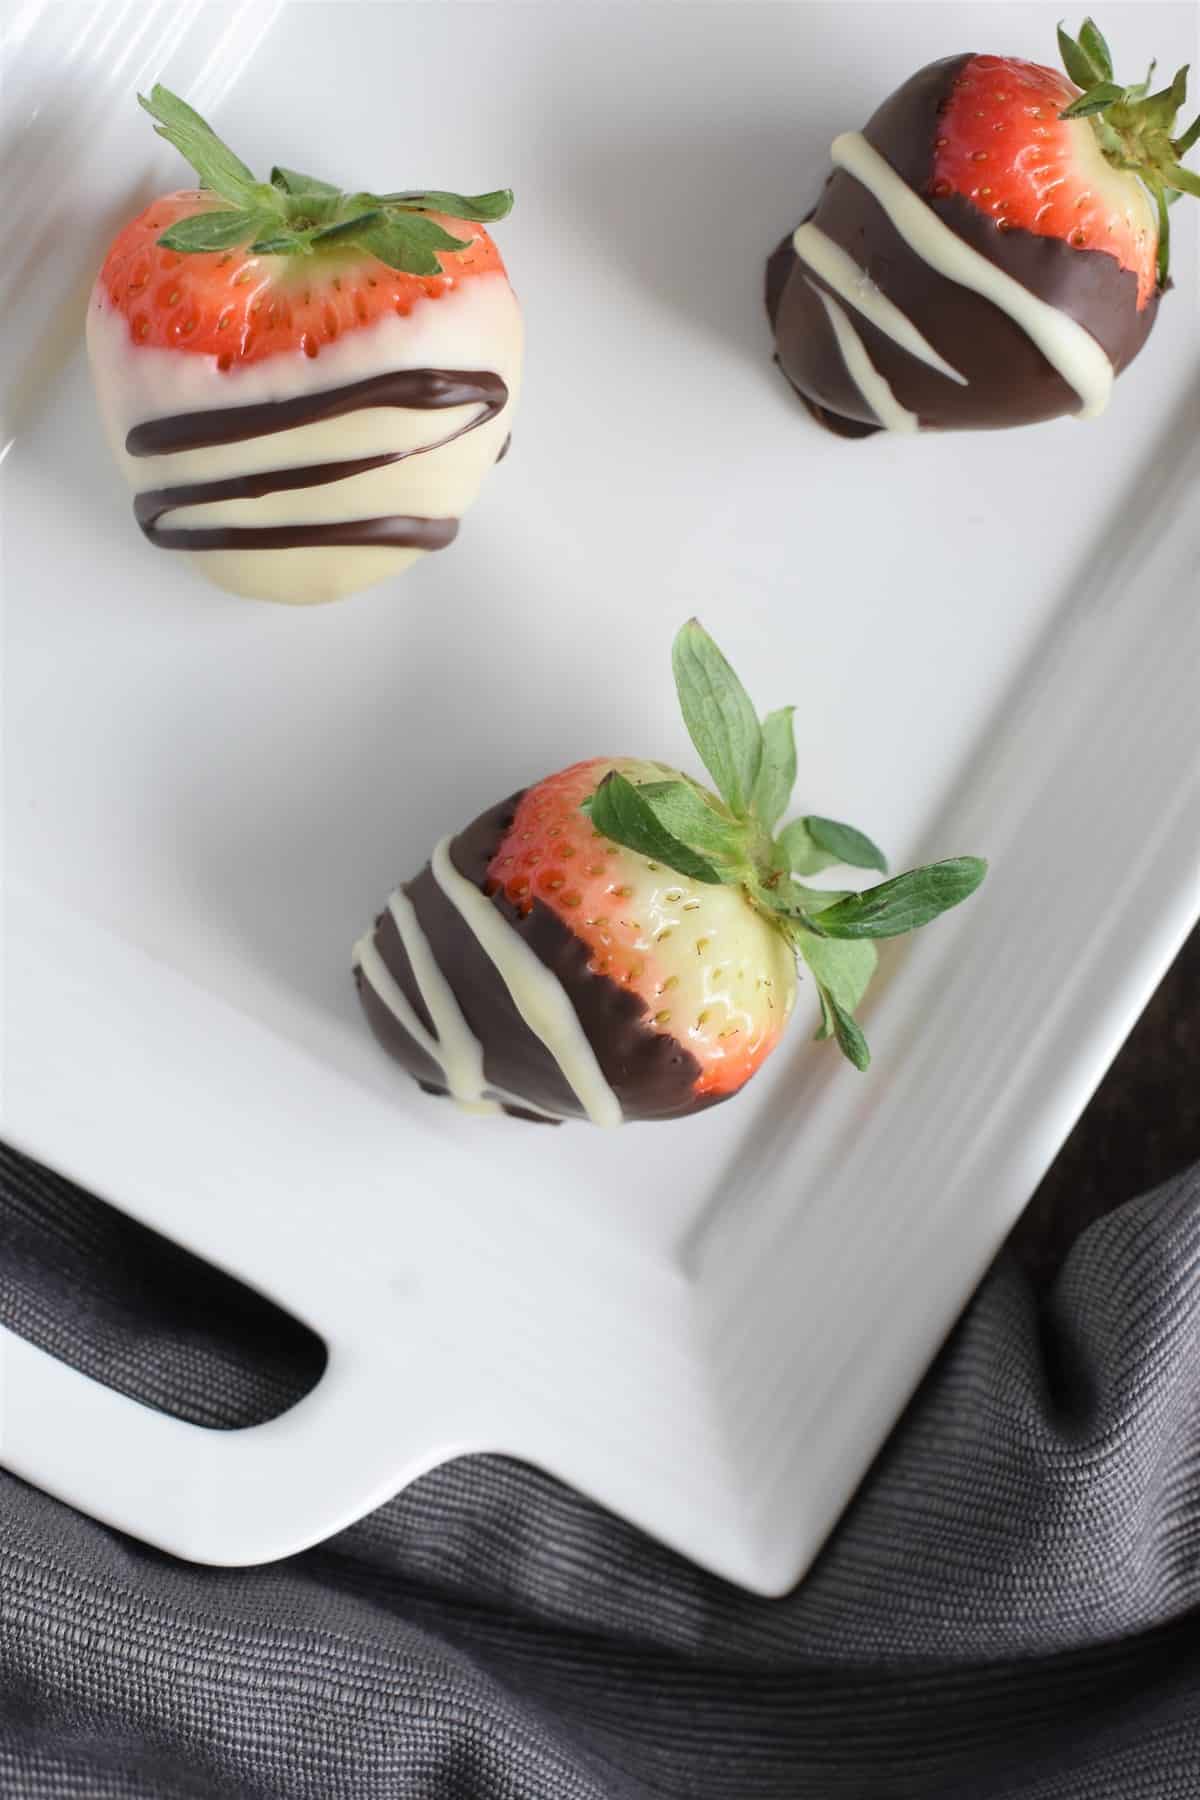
x=994 y=644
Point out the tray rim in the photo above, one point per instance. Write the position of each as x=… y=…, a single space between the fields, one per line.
x=743 y=1534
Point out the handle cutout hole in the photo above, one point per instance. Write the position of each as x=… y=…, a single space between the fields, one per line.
x=116 y=1301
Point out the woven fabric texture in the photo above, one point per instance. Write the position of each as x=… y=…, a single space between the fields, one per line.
x=1004 y=1613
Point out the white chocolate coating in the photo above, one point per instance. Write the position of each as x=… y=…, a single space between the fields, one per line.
x=473 y=326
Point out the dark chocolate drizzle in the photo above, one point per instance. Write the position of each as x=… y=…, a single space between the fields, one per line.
x=396 y=530
x=1009 y=381
x=424 y=390
x=652 y=1074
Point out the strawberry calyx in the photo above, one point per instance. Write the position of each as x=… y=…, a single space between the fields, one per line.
x=1135 y=128
x=298 y=215
x=733 y=837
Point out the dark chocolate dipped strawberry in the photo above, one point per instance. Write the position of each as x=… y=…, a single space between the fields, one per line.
x=618 y=942
x=990 y=250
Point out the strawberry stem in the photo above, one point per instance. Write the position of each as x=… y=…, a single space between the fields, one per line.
x=1132 y=125
x=1164 y=232
x=735 y=840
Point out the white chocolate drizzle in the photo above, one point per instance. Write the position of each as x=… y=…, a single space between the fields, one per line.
x=863 y=373
x=455 y=1048
x=1067 y=347
x=535 y=990
x=838 y=269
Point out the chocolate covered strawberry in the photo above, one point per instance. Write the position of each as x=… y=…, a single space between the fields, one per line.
x=990 y=250
x=304 y=387
x=619 y=942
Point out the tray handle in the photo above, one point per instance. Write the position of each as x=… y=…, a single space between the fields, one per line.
x=225 y=1497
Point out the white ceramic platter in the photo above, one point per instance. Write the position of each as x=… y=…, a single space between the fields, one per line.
x=994 y=642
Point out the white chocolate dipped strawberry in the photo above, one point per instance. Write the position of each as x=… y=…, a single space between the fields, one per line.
x=303 y=387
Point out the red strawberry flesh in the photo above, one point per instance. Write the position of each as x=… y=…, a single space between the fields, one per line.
x=242 y=308
x=1002 y=146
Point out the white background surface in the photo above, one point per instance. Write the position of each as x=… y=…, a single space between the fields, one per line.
x=988 y=640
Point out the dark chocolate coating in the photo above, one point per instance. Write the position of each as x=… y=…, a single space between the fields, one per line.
x=1009 y=381
x=424 y=390
x=651 y=1073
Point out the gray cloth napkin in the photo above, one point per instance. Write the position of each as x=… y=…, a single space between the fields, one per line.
x=1002 y=1612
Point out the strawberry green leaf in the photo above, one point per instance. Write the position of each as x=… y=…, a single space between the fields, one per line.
x=485 y=208
x=1160 y=109
x=721 y=722
x=215 y=230
x=838 y=1021
x=812 y=844
x=814 y=900
x=681 y=809
x=1181 y=145
x=845 y=845
x=410 y=242
x=282 y=243
x=1140 y=89
x=620 y=813
x=360 y=202
x=798 y=851
x=904 y=904
x=1181 y=181
x=843 y=968
x=777 y=771
x=295 y=213
x=1094 y=101
x=793 y=905
x=213 y=161
x=1091 y=42
x=290 y=181
x=848 y=1032
x=423 y=231
x=353 y=227
x=1076 y=61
